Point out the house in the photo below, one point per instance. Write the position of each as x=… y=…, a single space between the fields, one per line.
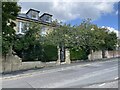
x=33 y=16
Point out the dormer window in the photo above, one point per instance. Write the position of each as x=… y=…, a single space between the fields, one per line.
x=46 y=17
x=33 y=14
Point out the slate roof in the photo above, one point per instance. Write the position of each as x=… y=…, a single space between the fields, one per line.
x=46 y=14
x=32 y=10
x=23 y=16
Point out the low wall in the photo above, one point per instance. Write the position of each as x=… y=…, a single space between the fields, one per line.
x=11 y=63
x=35 y=64
x=111 y=54
x=31 y=65
x=14 y=63
x=95 y=55
x=108 y=54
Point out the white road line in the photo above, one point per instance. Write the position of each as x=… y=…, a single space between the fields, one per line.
x=102 y=84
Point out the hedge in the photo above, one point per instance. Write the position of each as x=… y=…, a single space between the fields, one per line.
x=50 y=53
x=77 y=54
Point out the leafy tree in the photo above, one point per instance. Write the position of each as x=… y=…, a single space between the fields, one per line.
x=60 y=37
x=9 y=13
x=29 y=44
x=84 y=38
x=107 y=40
x=96 y=38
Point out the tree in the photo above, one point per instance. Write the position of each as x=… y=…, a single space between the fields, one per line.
x=9 y=13
x=108 y=40
x=28 y=46
x=84 y=38
x=60 y=37
x=76 y=37
x=90 y=37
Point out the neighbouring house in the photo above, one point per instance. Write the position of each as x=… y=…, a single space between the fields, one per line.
x=33 y=15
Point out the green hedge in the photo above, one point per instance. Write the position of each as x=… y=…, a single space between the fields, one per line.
x=44 y=53
x=50 y=53
x=77 y=54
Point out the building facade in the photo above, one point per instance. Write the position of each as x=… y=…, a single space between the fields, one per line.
x=23 y=19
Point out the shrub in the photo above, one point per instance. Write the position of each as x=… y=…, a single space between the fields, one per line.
x=77 y=54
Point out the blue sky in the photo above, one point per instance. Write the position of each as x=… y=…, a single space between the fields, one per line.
x=110 y=19
x=102 y=13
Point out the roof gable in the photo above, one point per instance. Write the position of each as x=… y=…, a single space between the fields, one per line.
x=32 y=10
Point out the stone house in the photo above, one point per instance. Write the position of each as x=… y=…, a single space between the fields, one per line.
x=23 y=19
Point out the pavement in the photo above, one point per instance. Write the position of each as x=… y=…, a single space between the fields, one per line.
x=98 y=74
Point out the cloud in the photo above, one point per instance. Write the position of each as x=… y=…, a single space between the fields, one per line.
x=65 y=11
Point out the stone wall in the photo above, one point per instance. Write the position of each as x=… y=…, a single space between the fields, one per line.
x=111 y=54
x=95 y=55
x=108 y=54
x=11 y=63
x=31 y=65
x=14 y=63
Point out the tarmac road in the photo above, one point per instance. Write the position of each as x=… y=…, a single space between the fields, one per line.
x=99 y=74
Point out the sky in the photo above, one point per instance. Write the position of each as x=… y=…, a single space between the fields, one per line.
x=103 y=14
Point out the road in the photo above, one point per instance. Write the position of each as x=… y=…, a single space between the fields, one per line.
x=91 y=74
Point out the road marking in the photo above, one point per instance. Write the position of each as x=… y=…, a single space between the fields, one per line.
x=102 y=84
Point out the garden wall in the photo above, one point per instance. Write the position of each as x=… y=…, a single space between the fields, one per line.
x=14 y=63
x=95 y=55
x=108 y=54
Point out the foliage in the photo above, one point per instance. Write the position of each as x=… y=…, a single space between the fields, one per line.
x=9 y=13
x=111 y=41
x=30 y=38
x=50 y=53
x=59 y=36
x=77 y=54
x=86 y=37
x=30 y=46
